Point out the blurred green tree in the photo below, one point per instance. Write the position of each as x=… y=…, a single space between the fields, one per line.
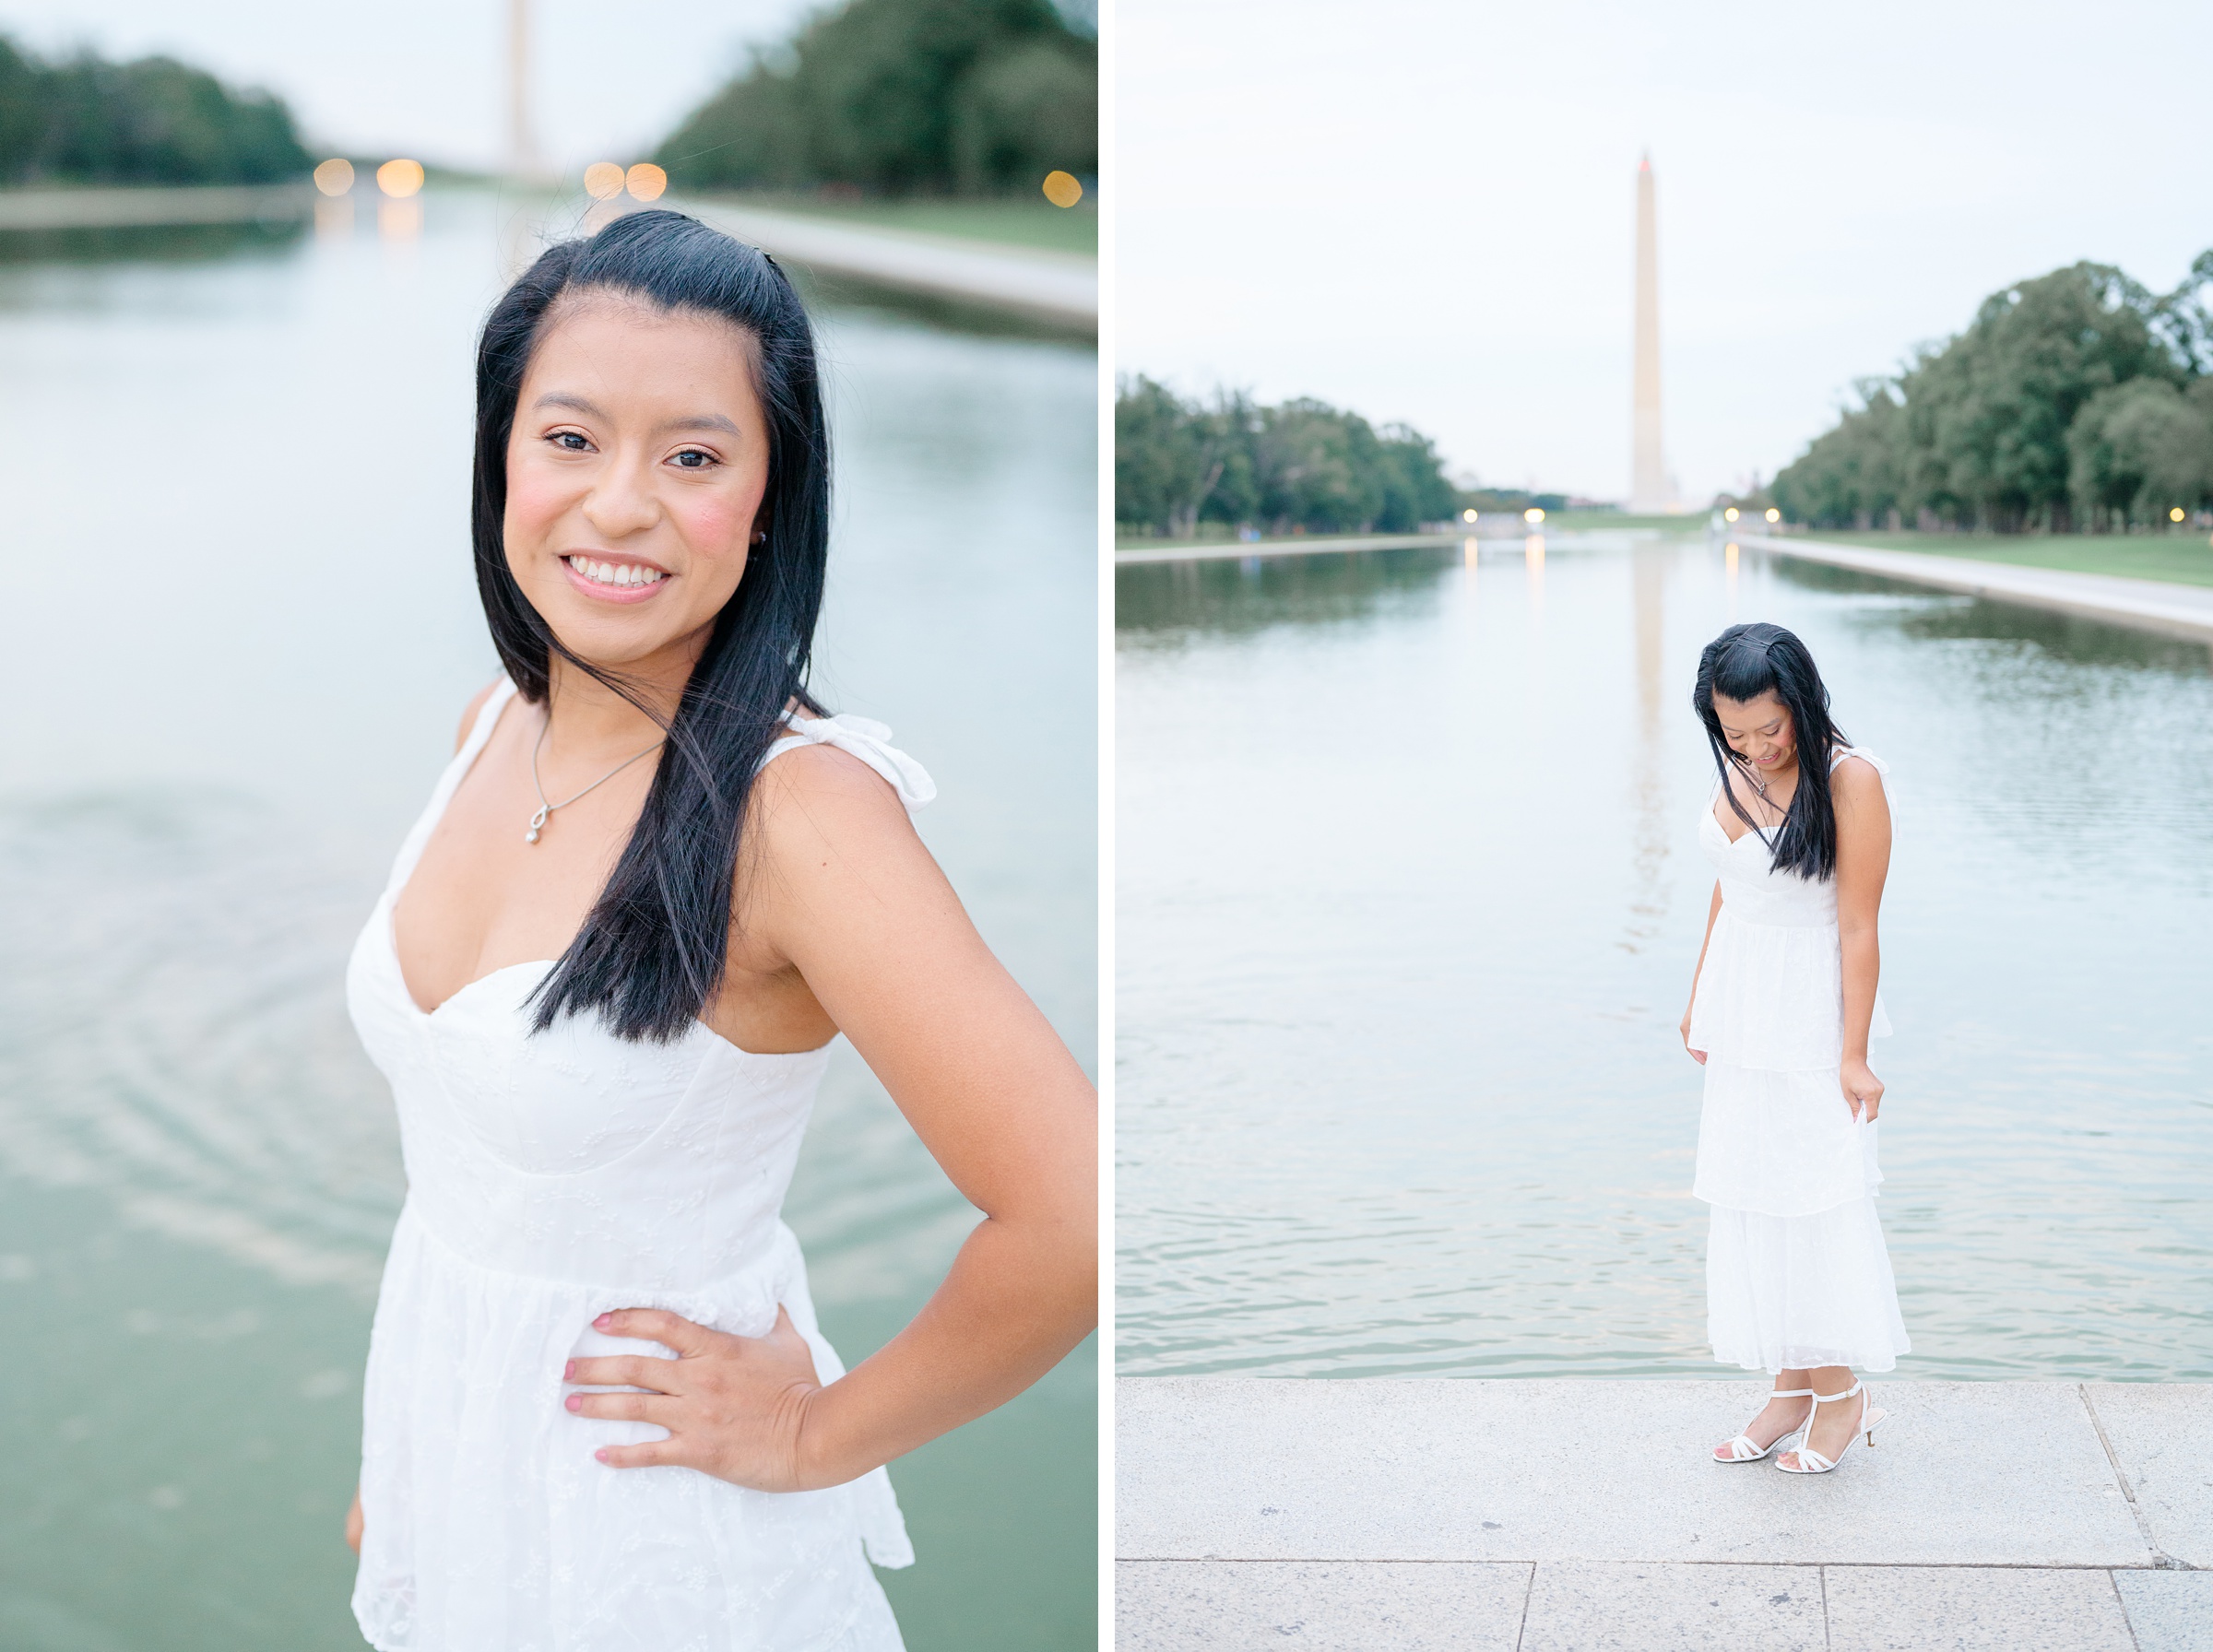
x=903 y=97
x=1300 y=465
x=2060 y=405
x=153 y=121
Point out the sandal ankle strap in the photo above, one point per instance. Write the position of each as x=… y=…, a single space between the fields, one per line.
x=1830 y=1398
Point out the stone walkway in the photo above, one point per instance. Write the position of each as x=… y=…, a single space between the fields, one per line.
x=1541 y=1516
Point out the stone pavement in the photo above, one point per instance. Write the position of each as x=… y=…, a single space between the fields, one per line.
x=1545 y=1515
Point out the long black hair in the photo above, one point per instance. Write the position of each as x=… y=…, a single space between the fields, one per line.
x=652 y=953
x=1743 y=663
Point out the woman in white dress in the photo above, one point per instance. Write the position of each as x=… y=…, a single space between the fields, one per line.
x=654 y=882
x=1798 y=1282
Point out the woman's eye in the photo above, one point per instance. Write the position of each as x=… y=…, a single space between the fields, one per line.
x=569 y=442
x=692 y=459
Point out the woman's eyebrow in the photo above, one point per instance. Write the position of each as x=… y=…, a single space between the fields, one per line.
x=704 y=422
x=576 y=404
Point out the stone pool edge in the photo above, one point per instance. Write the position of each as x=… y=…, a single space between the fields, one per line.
x=1433 y=1511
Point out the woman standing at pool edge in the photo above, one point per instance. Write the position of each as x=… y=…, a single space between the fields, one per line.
x=654 y=884
x=1798 y=1281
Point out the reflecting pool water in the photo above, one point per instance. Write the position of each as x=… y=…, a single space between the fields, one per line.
x=1409 y=902
x=240 y=631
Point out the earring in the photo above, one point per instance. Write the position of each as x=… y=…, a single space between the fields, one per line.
x=761 y=538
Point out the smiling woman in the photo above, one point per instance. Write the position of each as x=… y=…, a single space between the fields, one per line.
x=656 y=881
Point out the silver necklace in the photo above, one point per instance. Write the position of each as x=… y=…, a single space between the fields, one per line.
x=545 y=809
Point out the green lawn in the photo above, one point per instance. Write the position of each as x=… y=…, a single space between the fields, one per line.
x=1021 y=223
x=2183 y=558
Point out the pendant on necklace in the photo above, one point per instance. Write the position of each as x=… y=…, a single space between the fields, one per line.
x=536 y=821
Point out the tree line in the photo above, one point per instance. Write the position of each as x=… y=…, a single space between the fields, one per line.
x=85 y=120
x=1300 y=465
x=2079 y=401
x=902 y=98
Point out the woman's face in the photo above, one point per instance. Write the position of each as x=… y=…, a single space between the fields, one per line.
x=1760 y=730
x=634 y=475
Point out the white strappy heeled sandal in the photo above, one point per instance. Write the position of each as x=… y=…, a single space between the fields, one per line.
x=1811 y=1461
x=1745 y=1449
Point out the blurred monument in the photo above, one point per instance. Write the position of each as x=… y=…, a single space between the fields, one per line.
x=524 y=163
x=1650 y=488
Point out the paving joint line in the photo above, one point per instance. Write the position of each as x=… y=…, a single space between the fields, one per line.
x=2160 y=1560
x=1528 y=1590
x=2163 y=1564
x=2126 y=1622
x=1827 y=1643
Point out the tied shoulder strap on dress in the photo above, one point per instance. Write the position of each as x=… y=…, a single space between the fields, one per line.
x=869 y=740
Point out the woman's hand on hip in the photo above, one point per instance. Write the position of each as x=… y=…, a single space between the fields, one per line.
x=734 y=1407
x=1697 y=1056
x=1863 y=1089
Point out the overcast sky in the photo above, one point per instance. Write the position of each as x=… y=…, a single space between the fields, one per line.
x=1424 y=210
x=428 y=77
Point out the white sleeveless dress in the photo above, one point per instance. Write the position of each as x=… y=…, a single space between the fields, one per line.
x=552 y=1177
x=1796 y=1273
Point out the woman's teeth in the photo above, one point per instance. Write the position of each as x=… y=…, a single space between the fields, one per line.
x=615 y=573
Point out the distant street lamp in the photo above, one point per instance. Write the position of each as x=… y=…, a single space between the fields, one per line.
x=335 y=176
x=603 y=179
x=399 y=179
x=1773 y=514
x=2175 y=514
x=1468 y=516
x=1730 y=514
x=1062 y=190
x=646 y=182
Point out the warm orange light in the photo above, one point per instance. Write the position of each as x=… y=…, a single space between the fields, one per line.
x=335 y=177
x=1773 y=514
x=602 y=180
x=1730 y=514
x=1061 y=189
x=2175 y=514
x=645 y=181
x=399 y=179
x=1532 y=515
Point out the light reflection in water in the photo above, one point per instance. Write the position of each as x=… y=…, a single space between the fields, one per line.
x=1399 y=1084
x=400 y=219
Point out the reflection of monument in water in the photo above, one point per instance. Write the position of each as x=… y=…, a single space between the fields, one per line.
x=1650 y=488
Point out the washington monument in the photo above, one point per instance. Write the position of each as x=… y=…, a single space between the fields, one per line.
x=1649 y=486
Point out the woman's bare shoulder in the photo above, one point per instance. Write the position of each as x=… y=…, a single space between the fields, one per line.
x=1855 y=778
x=468 y=718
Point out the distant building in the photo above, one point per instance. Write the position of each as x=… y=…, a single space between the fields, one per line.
x=1651 y=487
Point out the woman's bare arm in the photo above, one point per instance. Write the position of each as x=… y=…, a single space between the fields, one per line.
x=1863 y=865
x=847 y=892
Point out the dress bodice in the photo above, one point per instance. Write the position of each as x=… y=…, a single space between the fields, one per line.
x=572 y=1153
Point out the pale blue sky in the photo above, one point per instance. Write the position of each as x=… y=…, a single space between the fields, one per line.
x=1423 y=209
x=429 y=77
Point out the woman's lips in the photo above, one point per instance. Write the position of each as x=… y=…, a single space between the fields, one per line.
x=613 y=579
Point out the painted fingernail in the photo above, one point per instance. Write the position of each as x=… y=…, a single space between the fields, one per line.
x=574 y=1402
x=604 y=1321
x=601 y=1454
x=568 y=1372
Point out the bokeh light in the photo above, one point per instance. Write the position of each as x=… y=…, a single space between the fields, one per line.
x=1773 y=514
x=1730 y=514
x=335 y=176
x=645 y=181
x=2175 y=514
x=1467 y=516
x=1061 y=189
x=399 y=179
x=1532 y=515
x=602 y=180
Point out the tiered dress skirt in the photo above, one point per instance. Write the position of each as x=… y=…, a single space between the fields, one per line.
x=1797 y=1275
